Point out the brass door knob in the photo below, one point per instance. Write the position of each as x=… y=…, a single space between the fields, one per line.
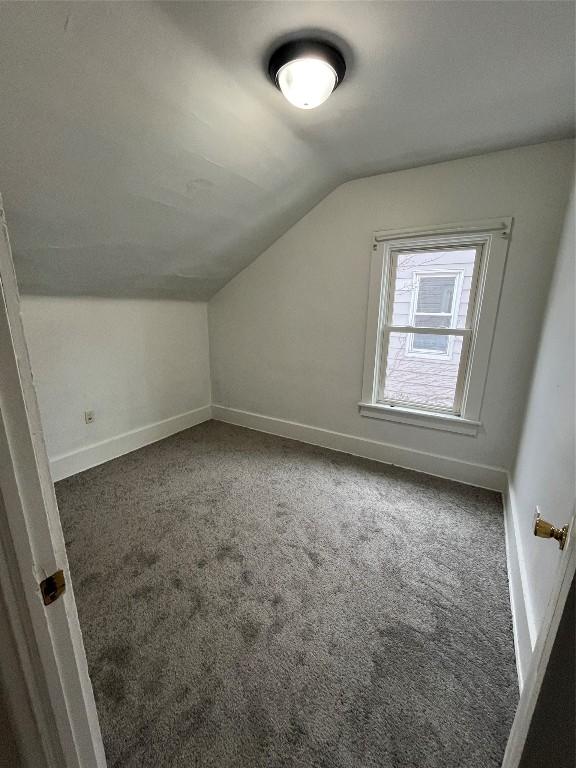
x=548 y=531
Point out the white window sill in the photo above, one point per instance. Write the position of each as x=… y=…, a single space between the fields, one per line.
x=444 y=421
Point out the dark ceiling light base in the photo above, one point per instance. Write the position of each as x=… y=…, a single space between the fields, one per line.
x=303 y=49
x=307 y=71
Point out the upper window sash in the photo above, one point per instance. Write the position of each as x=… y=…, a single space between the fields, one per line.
x=390 y=264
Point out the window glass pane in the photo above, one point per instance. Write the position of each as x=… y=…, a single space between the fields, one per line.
x=434 y=281
x=426 y=342
x=435 y=294
x=421 y=379
x=432 y=321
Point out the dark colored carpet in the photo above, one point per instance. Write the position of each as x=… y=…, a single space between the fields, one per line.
x=250 y=601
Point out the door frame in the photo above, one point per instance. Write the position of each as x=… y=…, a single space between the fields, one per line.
x=47 y=639
x=542 y=650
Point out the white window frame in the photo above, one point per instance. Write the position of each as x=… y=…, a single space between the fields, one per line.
x=491 y=237
x=458 y=276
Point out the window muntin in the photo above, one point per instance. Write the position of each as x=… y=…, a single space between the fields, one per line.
x=431 y=289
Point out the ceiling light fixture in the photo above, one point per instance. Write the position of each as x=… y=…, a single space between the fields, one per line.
x=307 y=71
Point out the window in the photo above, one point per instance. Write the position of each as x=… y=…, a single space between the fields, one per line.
x=432 y=310
x=433 y=304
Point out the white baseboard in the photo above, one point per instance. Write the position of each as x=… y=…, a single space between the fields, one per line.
x=479 y=475
x=77 y=461
x=523 y=623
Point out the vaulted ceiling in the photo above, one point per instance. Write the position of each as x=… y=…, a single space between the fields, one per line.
x=143 y=152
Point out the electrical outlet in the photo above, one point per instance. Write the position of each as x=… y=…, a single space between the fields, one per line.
x=89 y=416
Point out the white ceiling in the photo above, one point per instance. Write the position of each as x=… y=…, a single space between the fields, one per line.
x=144 y=153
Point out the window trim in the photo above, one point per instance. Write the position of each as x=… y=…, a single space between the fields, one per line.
x=493 y=236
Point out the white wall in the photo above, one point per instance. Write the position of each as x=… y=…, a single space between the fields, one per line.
x=287 y=334
x=134 y=362
x=544 y=473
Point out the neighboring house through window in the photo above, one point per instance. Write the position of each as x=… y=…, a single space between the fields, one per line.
x=433 y=301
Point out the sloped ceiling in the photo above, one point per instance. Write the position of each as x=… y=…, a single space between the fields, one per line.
x=144 y=153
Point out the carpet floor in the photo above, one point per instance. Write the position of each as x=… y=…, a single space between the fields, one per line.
x=249 y=601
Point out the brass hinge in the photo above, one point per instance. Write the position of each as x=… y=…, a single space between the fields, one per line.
x=52 y=587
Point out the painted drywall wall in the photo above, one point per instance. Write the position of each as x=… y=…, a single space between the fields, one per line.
x=133 y=362
x=544 y=473
x=287 y=333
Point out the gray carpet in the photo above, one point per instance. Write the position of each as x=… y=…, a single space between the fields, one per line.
x=249 y=601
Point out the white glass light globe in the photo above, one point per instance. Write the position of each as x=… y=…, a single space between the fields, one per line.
x=306 y=82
